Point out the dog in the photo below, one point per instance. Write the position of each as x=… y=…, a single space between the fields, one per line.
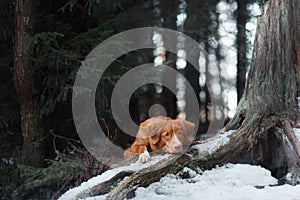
x=161 y=133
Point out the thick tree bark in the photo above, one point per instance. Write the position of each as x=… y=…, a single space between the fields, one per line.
x=32 y=153
x=297 y=43
x=268 y=106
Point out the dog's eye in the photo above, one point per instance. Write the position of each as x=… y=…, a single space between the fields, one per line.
x=180 y=133
x=167 y=135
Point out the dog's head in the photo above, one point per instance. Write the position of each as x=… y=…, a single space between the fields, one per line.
x=166 y=133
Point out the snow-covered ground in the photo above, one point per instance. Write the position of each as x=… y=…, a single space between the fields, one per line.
x=229 y=182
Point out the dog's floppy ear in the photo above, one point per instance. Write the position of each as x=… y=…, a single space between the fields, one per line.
x=151 y=129
x=188 y=129
x=155 y=138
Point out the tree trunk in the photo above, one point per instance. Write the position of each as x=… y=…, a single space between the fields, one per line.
x=268 y=107
x=169 y=15
x=32 y=153
x=241 y=42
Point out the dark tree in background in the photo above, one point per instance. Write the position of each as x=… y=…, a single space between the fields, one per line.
x=200 y=26
x=242 y=17
x=32 y=130
x=169 y=9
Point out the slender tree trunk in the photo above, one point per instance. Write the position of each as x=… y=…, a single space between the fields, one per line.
x=242 y=17
x=32 y=153
x=169 y=14
x=207 y=103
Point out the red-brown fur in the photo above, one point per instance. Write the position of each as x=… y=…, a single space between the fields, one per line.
x=161 y=133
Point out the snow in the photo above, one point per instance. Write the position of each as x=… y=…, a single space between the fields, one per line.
x=298 y=99
x=229 y=182
x=214 y=144
x=75 y=192
x=297 y=133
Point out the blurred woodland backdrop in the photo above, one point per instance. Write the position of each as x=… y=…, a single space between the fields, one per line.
x=63 y=33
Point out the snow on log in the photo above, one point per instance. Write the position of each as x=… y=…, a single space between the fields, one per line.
x=211 y=145
x=87 y=188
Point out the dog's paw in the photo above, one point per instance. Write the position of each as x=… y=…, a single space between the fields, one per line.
x=144 y=157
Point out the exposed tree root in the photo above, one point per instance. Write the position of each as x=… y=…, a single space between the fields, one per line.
x=106 y=186
x=149 y=175
x=292 y=137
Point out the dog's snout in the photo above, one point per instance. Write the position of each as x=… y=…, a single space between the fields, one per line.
x=178 y=147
